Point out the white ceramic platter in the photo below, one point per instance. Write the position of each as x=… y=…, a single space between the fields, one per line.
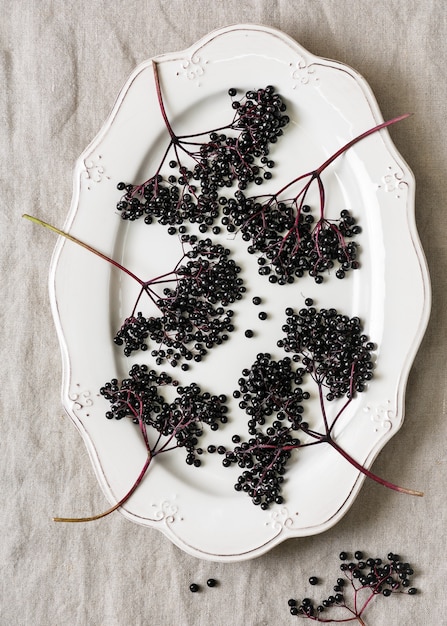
x=329 y=104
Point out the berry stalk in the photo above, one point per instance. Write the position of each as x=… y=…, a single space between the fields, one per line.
x=117 y=505
x=62 y=233
x=368 y=473
x=179 y=424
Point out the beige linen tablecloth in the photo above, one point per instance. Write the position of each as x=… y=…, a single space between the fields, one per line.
x=62 y=65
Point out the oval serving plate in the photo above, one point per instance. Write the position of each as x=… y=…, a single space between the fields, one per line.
x=329 y=104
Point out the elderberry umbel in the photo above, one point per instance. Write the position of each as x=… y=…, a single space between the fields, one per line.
x=362 y=581
x=289 y=241
x=193 y=315
x=180 y=423
x=204 y=164
x=284 y=232
x=331 y=347
x=164 y=426
x=324 y=346
x=267 y=389
x=273 y=401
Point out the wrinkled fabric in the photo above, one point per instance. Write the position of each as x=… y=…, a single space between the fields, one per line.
x=61 y=68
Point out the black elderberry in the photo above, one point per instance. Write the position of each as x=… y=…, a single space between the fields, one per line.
x=211 y=582
x=294 y=610
x=289 y=242
x=331 y=349
x=194 y=587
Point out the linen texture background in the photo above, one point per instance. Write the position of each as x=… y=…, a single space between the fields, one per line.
x=62 y=65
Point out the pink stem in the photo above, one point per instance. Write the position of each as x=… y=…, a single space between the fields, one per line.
x=317 y=172
x=368 y=473
x=359 y=138
x=86 y=246
x=117 y=505
x=161 y=103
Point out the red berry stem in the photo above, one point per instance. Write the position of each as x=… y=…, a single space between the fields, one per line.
x=351 y=143
x=117 y=505
x=327 y=438
x=145 y=284
x=174 y=138
x=86 y=246
x=137 y=415
x=316 y=174
x=330 y=440
x=368 y=473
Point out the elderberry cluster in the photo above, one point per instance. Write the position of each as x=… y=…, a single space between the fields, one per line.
x=289 y=242
x=236 y=153
x=364 y=578
x=180 y=421
x=137 y=397
x=331 y=347
x=264 y=458
x=328 y=347
x=267 y=389
x=193 y=315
